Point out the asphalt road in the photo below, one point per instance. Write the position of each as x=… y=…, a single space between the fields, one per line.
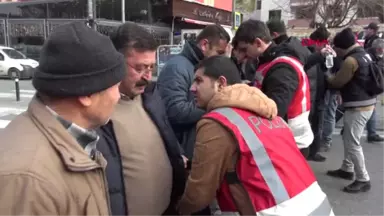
x=370 y=203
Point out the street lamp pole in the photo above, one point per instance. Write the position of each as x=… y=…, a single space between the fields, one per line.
x=91 y=16
x=123 y=11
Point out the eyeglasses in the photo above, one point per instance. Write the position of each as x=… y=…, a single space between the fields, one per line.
x=143 y=68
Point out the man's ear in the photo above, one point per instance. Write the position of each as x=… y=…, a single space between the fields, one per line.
x=203 y=44
x=258 y=42
x=85 y=101
x=222 y=82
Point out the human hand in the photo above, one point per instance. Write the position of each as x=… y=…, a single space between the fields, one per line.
x=328 y=50
x=185 y=159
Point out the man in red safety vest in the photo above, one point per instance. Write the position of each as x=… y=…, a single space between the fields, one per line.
x=281 y=77
x=245 y=155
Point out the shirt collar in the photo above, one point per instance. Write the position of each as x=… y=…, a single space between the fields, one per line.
x=86 y=138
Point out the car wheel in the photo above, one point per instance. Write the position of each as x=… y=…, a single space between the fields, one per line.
x=13 y=72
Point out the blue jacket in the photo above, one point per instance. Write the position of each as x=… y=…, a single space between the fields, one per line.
x=174 y=83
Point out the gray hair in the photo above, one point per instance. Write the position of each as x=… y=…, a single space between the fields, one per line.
x=378 y=43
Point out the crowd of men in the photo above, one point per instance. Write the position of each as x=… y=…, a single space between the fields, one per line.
x=214 y=135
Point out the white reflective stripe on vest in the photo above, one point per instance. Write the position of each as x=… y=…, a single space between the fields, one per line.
x=307 y=203
x=310 y=202
x=303 y=75
x=259 y=154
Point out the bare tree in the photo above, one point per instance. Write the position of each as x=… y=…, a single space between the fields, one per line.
x=246 y=6
x=371 y=8
x=333 y=13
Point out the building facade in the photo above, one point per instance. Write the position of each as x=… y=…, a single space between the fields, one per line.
x=272 y=9
x=31 y=21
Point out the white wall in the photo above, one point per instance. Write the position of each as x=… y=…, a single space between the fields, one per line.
x=268 y=5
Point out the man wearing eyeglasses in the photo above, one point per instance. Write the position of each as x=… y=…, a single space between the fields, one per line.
x=145 y=169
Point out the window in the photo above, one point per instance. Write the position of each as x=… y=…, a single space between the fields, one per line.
x=258 y=5
x=76 y=9
x=1 y=57
x=209 y=2
x=275 y=14
x=13 y=54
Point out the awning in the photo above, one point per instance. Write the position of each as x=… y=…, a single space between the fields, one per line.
x=226 y=27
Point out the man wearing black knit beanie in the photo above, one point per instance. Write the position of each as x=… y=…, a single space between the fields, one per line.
x=358 y=104
x=59 y=170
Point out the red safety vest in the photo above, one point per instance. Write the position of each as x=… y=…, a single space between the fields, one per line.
x=298 y=110
x=271 y=169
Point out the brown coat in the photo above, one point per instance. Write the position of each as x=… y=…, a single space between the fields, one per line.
x=215 y=146
x=44 y=171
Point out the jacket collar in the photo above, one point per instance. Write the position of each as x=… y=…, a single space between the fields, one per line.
x=192 y=52
x=72 y=154
x=268 y=55
x=280 y=39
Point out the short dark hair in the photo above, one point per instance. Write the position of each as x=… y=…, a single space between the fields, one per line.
x=213 y=33
x=252 y=29
x=276 y=25
x=320 y=34
x=132 y=36
x=217 y=66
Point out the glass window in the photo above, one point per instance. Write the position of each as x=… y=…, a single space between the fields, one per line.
x=109 y=9
x=275 y=14
x=258 y=5
x=14 y=54
x=72 y=9
x=76 y=9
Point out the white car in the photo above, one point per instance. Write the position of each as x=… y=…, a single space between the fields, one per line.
x=15 y=64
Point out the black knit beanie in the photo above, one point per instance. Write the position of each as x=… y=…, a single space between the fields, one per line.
x=344 y=39
x=78 y=61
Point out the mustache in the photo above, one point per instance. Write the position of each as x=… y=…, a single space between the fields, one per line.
x=142 y=82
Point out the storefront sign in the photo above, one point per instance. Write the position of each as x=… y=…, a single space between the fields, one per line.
x=200 y=12
x=237 y=21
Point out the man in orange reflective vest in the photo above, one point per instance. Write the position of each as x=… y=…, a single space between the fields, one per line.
x=245 y=156
x=281 y=77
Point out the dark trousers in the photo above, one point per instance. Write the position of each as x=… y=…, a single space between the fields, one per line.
x=205 y=211
x=305 y=152
x=315 y=120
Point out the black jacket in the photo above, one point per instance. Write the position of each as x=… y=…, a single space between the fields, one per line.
x=355 y=93
x=368 y=41
x=281 y=82
x=153 y=104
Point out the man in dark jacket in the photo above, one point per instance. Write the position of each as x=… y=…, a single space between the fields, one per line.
x=370 y=34
x=177 y=76
x=281 y=80
x=315 y=75
x=376 y=52
x=138 y=141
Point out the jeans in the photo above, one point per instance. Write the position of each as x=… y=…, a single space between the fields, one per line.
x=354 y=123
x=329 y=116
x=371 y=124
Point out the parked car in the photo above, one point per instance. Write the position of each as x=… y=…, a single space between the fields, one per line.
x=30 y=51
x=15 y=64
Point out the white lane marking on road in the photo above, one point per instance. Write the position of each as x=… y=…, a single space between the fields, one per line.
x=11 y=110
x=13 y=95
x=4 y=123
x=26 y=91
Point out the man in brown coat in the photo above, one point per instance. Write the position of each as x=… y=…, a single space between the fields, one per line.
x=49 y=163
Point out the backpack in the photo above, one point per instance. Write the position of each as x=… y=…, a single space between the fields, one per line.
x=375 y=82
